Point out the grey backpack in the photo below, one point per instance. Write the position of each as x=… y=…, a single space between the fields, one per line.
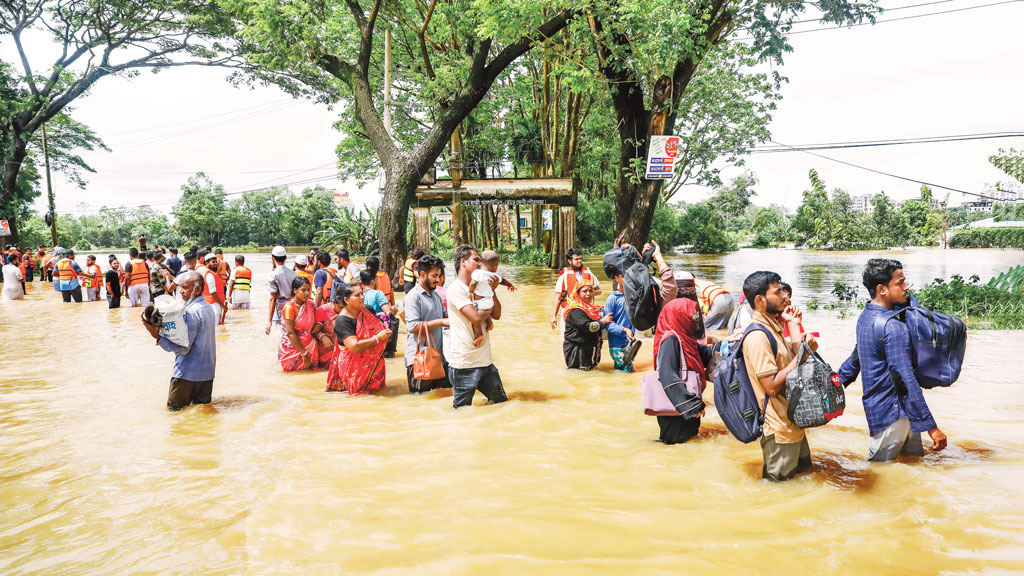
x=814 y=391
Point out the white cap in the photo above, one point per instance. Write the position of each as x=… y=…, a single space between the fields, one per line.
x=279 y=252
x=302 y=259
x=210 y=256
x=682 y=275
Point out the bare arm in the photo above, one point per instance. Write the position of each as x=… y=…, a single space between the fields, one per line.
x=477 y=316
x=354 y=344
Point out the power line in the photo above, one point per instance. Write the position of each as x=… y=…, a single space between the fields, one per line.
x=890 y=142
x=826 y=28
x=842 y=27
x=884 y=10
x=151 y=140
x=219 y=114
x=858 y=166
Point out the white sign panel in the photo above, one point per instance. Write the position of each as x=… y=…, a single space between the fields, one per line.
x=5 y=228
x=546 y=217
x=661 y=157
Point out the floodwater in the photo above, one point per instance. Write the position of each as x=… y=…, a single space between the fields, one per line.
x=278 y=477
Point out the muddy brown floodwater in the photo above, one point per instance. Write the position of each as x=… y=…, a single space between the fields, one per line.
x=278 y=477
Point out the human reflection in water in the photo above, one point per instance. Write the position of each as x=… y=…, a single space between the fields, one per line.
x=676 y=351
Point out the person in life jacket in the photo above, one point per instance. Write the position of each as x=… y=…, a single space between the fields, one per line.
x=138 y=279
x=67 y=282
x=409 y=270
x=214 y=288
x=716 y=303
x=222 y=270
x=571 y=275
x=301 y=265
x=240 y=285
x=347 y=269
x=383 y=282
x=323 y=278
x=31 y=264
x=93 y=280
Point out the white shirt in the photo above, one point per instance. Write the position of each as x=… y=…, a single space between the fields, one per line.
x=482 y=278
x=461 y=353
x=12 y=282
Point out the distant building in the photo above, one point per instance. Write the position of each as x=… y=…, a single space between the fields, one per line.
x=341 y=200
x=863 y=203
x=980 y=206
x=1004 y=192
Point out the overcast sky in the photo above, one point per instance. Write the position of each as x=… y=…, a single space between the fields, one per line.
x=940 y=75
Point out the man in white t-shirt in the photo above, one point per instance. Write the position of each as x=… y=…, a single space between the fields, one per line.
x=470 y=367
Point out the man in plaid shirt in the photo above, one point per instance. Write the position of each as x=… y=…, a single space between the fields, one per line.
x=893 y=401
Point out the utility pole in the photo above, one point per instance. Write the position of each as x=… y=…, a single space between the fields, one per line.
x=49 y=191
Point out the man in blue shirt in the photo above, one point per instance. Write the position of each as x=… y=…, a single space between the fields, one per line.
x=893 y=402
x=174 y=263
x=65 y=277
x=196 y=363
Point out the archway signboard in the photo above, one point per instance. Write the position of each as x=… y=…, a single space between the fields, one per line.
x=533 y=192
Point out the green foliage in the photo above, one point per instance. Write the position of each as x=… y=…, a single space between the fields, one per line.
x=595 y=223
x=199 y=215
x=1006 y=211
x=530 y=256
x=356 y=232
x=1011 y=162
x=702 y=229
x=844 y=292
x=988 y=238
x=771 y=225
x=1011 y=280
x=981 y=305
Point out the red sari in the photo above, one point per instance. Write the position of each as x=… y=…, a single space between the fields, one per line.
x=325 y=315
x=359 y=372
x=287 y=355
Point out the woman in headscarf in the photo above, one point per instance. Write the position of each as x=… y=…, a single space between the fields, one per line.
x=676 y=350
x=583 y=324
x=297 y=350
x=359 y=364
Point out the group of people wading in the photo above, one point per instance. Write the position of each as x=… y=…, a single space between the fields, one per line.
x=333 y=314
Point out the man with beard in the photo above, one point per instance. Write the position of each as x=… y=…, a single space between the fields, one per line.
x=571 y=275
x=423 y=306
x=783 y=445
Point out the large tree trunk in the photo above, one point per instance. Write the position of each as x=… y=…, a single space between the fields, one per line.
x=394 y=214
x=9 y=197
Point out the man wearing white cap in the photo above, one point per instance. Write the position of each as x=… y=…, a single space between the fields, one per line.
x=280 y=285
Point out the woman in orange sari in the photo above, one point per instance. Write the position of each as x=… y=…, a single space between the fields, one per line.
x=297 y=350
x=359 y=365
x=326 y=340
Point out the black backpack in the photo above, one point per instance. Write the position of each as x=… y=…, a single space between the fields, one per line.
x=643 y=299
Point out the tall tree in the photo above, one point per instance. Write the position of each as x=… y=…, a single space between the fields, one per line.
x=651 y=50
x=448 y=55
x=94 y=39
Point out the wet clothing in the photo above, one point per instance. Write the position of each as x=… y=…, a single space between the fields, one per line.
x=895 y=440
x=891 y=390
x=304 y=317
x=783 y=461
x=582 y=344
x=325 y=316
x=12 y=283
x=466 y=381
x=184 y=392
x=616 y=306
x=423 y=306
x=470 y=368
x=676 y=348
x=280 y=286
x=113 y=281
x=198 y=360
x=357 y=372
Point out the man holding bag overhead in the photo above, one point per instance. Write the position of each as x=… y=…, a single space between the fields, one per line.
x=425 y=313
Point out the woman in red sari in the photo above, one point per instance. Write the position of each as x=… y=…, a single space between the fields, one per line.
x=297 y=350
x=326 y=340
x=359 y=365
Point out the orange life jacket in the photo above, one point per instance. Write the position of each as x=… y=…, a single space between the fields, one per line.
x=384 y=285
x=707 y=291
x=140 y=273
x=93 y=279
x=302 y=273
x=218 y=284
x=222 y=269
x=65 y=272
x=570 y=280
x=331 y=273
x=243 y=278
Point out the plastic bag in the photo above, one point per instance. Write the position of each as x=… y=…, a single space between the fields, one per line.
x=173 y=312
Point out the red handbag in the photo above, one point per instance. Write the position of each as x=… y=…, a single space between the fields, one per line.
x=426 y=363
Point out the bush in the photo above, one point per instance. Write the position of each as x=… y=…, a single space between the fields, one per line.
x=988 y=238
x=530 y=256
x=980 y=304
